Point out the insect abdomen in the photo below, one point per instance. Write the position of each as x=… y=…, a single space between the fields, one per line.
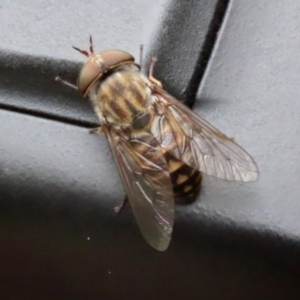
x=186 y=181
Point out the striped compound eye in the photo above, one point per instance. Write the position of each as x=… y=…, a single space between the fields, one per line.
x=99 y=64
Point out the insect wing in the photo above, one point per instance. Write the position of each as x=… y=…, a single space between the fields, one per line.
x=144 y=172
x=198 y=144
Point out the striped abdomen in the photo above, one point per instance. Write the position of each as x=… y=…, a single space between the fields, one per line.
x=186 y=180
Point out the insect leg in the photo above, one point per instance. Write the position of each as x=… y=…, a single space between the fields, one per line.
x=96 y=130
x=119 y=208
x=141 y=54
x=67 y=83
x=151 y=78
x=85 y=53
x=91 y=45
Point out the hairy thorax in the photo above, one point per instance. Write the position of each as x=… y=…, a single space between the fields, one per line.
x=123 y=99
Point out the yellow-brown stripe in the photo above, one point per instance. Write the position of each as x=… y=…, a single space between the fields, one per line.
x=186 y=180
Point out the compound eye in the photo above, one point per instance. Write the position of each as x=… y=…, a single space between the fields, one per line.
x=88 y=74
x=116 y=57
x=98 y=65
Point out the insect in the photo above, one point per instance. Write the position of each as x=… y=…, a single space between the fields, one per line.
x=159 y=145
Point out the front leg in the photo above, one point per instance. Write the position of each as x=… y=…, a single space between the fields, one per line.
x=141 y=55
x=120 y=207
x=96 y=130
x=67 y=83
x=151 y=78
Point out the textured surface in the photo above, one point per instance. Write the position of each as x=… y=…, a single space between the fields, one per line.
x=251 y=91
x=48 y=30
x=60 y=238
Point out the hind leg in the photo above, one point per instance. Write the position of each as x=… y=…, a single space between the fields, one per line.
x=120 y=207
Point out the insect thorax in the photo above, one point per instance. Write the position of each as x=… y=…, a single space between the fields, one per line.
x=123 y=98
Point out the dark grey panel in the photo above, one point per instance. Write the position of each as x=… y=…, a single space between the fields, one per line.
x=60 y=237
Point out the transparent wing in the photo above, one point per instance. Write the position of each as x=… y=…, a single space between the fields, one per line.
x=198 y=144
x=144 y=172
